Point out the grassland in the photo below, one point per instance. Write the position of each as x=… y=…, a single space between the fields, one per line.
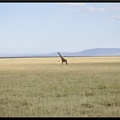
x=42 y=87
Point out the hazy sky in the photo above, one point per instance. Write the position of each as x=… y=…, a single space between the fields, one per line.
x=65 y=27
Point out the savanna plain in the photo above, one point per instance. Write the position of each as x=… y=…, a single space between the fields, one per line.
x=43 y=87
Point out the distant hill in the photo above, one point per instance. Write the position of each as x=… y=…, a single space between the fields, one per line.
x=100 y=52
x=87 y=52
x=92 y=52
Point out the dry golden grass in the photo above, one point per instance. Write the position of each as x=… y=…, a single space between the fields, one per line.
x=42 y=87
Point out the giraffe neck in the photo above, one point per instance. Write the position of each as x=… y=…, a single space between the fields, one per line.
x=61 y=56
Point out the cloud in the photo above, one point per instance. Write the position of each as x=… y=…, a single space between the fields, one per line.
x=113 y=7
x=102 y=8
x=96 y=9
x=82 y=7
x=115 y=17
x=89 y=7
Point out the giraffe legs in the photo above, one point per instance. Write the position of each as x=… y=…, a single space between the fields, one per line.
x=65 y=62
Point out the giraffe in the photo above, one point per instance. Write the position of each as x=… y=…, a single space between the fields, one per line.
x=62 y=59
